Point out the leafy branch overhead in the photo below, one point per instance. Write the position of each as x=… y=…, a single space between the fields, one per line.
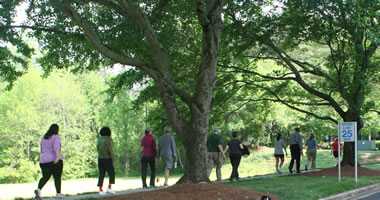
x=328 y=49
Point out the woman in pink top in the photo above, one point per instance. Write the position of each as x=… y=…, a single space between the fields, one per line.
x=50 y=160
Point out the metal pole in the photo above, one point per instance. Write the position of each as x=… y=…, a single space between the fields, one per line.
x=339 y=175
x=356 y=152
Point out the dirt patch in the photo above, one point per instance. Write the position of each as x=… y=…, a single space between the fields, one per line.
x=346 y=171
x=196 y=192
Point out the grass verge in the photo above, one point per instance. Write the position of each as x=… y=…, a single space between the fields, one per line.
x=302 y=187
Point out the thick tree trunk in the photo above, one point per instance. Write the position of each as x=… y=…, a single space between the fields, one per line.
x=349 y=147
x=196 y=158
x=348 y=154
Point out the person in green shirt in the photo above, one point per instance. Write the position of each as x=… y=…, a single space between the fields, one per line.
x=105 y=159
x=215 y=153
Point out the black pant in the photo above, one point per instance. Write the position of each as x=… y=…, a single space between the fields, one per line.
x=106 y=165
x=144 y=167
x=49 y=169
x=295 y=152
x=235 y=161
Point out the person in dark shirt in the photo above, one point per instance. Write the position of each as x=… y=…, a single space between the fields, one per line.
x=215 y=153
x=234 y=148
x=148 y=151
x=295 y=142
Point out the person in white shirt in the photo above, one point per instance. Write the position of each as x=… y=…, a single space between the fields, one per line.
x=279 y=149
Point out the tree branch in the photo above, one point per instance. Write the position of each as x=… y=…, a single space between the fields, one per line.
x=278 y=99
x=286 y=58
x=94 y=39
x=40 y=28
x=246 y=71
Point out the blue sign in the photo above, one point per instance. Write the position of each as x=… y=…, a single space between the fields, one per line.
x=347 y=131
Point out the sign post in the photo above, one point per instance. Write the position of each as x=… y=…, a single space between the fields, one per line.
x=347 y=132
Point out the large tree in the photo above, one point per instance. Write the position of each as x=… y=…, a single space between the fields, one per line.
x=325 y=52
x=160 y=38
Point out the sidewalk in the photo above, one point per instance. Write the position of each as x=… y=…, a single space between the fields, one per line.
x=371 y=192
x=71 y=187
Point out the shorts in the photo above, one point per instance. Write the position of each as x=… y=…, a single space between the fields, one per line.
x=169 y=162
x=281 y=156
x=335 y=153
x=311 y=155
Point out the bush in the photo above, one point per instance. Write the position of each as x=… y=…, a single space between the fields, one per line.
x=25 y=172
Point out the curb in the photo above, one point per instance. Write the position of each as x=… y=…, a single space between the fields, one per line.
x=120 y=193
x=356 y=193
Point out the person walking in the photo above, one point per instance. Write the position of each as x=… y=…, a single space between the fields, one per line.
x=215 y=153
x=148 y=151
x=167 y=152
x=334 y=149
x=295 y=142
x=279 y=149
x=51 y=161
x=311 y=152
x=105 y=160
x=234 y=148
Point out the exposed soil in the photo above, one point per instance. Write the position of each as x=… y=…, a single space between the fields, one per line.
x=196 y=192
x=346 y=171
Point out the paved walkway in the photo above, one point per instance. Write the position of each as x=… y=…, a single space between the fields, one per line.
x=371 y=192
x=375 y=196
x=71 y=187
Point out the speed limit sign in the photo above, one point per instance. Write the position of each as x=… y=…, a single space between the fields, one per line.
x=347 y=131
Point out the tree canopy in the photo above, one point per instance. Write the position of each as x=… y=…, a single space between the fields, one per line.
x=317 y=57
x=326 y=53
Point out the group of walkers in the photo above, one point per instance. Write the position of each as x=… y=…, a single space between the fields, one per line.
x=166 y=151
x=51 y=158
x=296 y=150
x=217 y=152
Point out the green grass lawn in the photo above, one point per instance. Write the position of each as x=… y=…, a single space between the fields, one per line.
x=302 y=187
x=296 y=187
x=262 y=162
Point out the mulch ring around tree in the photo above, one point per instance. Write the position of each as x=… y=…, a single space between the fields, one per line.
x=196 y=192
x=346 y=171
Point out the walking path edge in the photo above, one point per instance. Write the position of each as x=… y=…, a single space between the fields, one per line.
x=356 y=193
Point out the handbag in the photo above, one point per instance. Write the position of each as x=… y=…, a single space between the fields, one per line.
x=245 y=150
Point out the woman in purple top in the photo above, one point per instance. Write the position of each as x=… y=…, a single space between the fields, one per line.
x=50 y=160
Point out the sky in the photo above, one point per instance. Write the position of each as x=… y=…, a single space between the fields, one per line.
x=21 y=13
x=21 y=17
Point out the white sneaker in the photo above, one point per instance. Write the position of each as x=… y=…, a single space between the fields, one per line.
x=60 y=196
x=102 y=193
x=110 y=191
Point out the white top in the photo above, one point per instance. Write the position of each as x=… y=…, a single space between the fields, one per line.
x=279 y=146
